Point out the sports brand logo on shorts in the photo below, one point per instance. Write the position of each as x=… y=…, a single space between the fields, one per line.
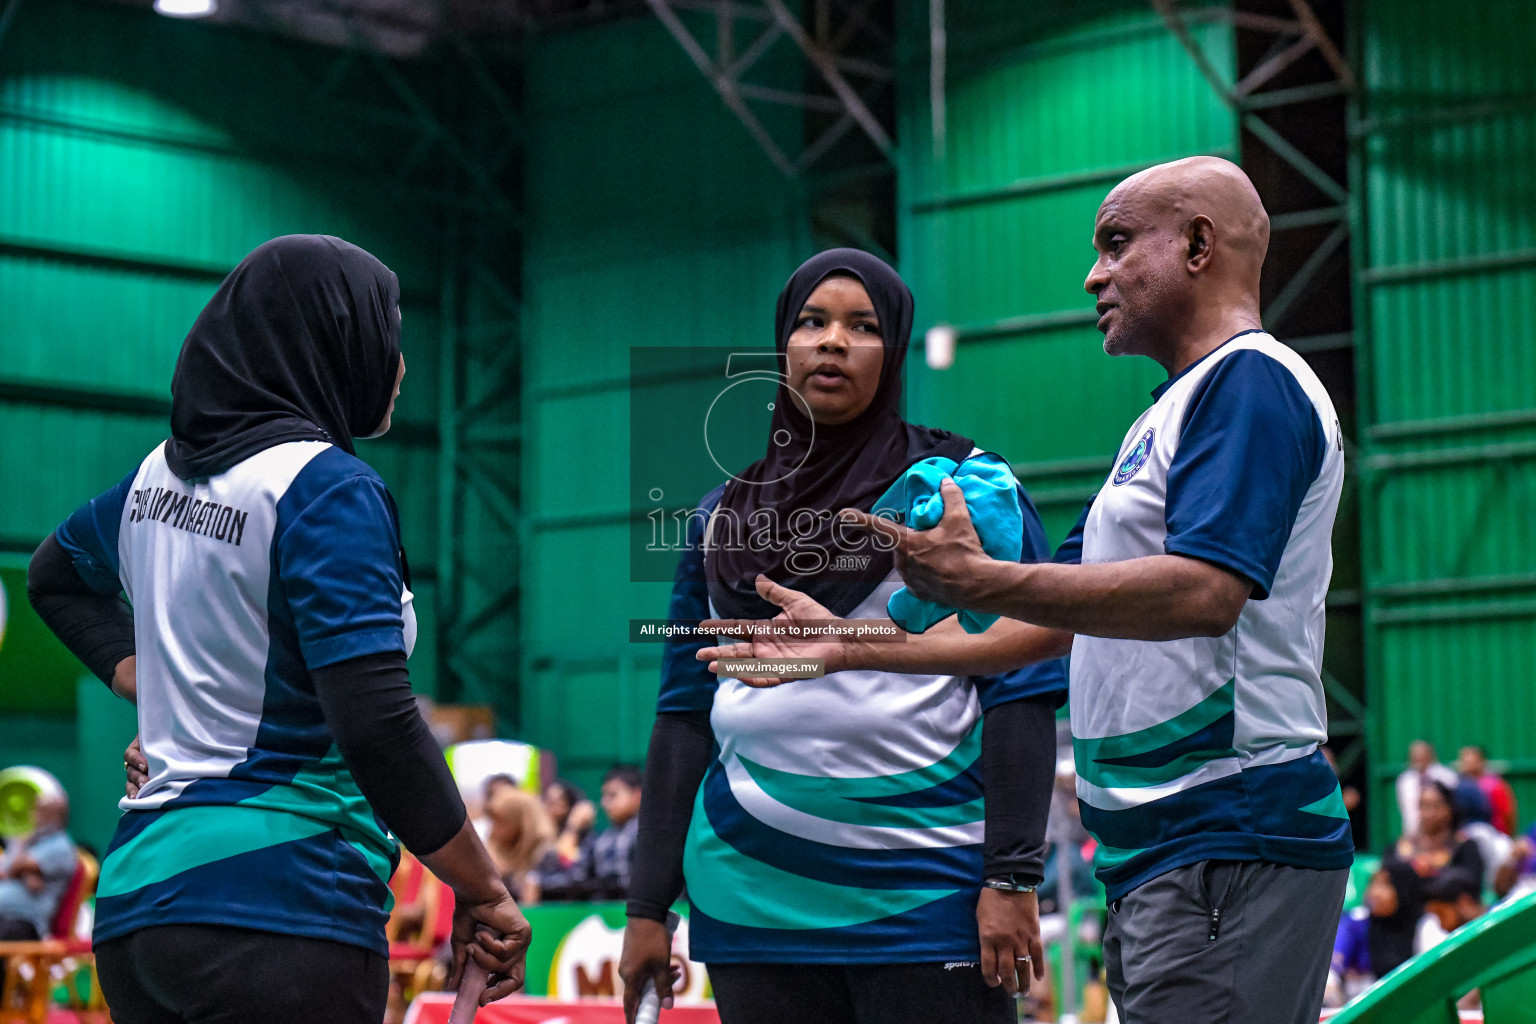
x=1134 y=459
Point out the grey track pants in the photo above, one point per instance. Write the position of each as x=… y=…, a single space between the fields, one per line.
x=1243 y=942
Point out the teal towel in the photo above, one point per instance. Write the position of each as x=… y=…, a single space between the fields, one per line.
x=991 y=496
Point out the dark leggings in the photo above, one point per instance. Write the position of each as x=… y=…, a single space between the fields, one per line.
x=213 y=974
x=942 y=993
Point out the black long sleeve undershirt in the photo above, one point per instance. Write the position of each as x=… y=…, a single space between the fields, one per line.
x=372 y=714
x=1018 y=750
x=682 y=745
x=1018 y=768
x=96 y=628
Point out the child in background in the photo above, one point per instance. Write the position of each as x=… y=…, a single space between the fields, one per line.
x=613 y=851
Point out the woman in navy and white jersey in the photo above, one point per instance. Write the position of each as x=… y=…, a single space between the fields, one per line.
x=861 y=846
x=266 y=647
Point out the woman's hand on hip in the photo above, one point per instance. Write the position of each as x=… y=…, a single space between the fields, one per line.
x=136 y=768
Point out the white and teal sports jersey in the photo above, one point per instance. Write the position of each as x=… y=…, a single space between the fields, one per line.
x=1208 y=747
x=842 y=819
x=241 y=584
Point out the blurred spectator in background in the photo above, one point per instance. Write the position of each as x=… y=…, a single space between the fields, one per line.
x=1455 y=897
x=35 y=871
x=1065 y=835
x=1376 y=938
x=1492 y=845
x=1439 y=843
x=563 y=871
x=1395 y=900
x=1471 y=801
x=496 y=783
x=573 y=815
x=521 y=833
x=1423 y=767
x=1473 y=765
x=1349 y=973
x=613 y=851
x=488 y=789
x=1516 y=875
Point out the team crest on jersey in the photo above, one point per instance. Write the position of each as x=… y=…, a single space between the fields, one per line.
x=1134 y=459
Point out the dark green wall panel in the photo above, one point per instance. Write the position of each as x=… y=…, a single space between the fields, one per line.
x=1445 y=307
x=1045 y=111
x=53 y=460
x=139 y=164
x=654 y=220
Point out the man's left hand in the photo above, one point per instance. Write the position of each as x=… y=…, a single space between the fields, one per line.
x=944 y=565
x=1008 y=924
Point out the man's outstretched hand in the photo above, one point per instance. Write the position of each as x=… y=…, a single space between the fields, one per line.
x=945 y=565
x=796 y=607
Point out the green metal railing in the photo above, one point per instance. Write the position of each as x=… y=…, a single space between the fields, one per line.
x=1496 y=954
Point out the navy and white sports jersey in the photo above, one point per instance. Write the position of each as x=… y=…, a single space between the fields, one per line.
x=842 y=819
x=1208 y=747
x=241 y=584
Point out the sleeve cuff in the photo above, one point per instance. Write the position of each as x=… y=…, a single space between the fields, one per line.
x=332 y=649
x=1239 y=565
x=645 y=909
x=1046 y=680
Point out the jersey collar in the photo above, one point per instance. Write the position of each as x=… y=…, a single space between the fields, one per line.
x=1159 y=391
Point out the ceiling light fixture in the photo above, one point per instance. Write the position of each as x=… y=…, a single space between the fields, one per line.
x=186 y=8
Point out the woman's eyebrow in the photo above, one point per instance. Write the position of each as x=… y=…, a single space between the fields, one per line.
x=808 y=308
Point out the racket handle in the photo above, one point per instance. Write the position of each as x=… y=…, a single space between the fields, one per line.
x=471 y=986
x=649 y=1010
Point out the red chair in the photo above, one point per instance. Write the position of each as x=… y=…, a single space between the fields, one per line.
x=28 y=980
x=419 y=924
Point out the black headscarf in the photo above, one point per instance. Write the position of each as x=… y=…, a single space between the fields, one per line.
x=300 y=342
x=844 y=466
x=1389 y=940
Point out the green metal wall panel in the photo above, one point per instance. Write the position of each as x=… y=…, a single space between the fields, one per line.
x=54 y=459
x=654 y=220
x=1045 y=111
x=139 y=166
x=83 y=342
x=1446 y=294
x=29 y=652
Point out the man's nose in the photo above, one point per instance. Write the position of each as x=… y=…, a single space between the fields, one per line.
x=1097 y=278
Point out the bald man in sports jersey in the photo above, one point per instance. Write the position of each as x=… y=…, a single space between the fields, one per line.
x=1191 y=595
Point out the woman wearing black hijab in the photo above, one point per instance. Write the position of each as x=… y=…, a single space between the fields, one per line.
x=860 y=846
x=1396 y=900
x=265 y=648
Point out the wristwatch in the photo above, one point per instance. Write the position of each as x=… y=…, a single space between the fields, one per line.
x=1010 y=883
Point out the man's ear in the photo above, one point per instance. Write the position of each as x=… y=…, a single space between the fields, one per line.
x=1201 y=235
